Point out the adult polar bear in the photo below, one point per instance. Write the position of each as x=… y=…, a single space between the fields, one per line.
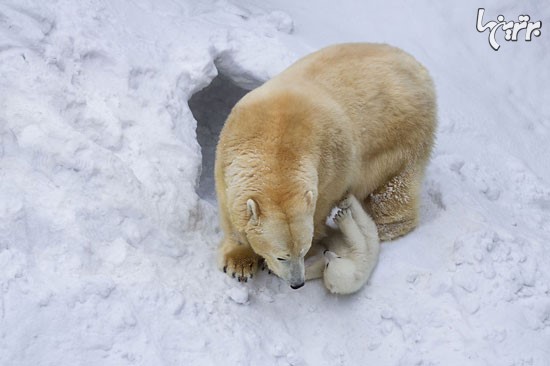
x=351 y=118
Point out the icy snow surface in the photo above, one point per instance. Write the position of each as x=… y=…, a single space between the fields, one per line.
x=107 y=252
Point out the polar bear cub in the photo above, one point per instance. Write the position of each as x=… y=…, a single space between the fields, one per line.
x=352 y=252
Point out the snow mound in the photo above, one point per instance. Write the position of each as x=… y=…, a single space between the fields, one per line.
x=99 y=164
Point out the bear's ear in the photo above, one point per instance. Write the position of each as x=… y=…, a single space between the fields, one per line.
x=252 y=211
x=310 y=199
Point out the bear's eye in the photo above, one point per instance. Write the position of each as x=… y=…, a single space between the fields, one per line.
x=282 y=259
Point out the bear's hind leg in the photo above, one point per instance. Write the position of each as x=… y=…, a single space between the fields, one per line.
x=395 y=206
x=351 y=234
x=364 y=221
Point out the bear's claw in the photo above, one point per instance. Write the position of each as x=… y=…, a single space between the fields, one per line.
x=241 y=263
x=342 y=215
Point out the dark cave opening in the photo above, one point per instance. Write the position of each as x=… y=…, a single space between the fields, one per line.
x=210 y=107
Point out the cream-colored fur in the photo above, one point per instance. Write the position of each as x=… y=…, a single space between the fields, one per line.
x=356 y=118
x=351 y=253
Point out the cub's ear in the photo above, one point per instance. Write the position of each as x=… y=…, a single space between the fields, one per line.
x=253 y=211
x=310 y=199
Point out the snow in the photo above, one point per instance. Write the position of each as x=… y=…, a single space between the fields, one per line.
x=238 y=294
x=108 y=229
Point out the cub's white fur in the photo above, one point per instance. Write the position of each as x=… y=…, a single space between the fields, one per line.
x=351 y=253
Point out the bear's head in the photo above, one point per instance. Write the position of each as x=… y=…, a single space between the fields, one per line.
x=282 y=232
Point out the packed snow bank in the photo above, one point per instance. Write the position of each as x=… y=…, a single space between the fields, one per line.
x=99 y=163
x=108 y=253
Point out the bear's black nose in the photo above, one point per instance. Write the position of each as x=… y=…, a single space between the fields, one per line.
x=295 y=287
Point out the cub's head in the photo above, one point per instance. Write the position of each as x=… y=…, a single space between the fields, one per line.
x=282 y=234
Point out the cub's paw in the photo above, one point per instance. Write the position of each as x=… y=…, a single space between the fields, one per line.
x=342 y=216
x=241 y=263
x=346 y=202
x=329 y=256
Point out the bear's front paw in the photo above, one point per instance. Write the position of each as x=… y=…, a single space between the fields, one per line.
x=241 y=263
x=342 y=215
